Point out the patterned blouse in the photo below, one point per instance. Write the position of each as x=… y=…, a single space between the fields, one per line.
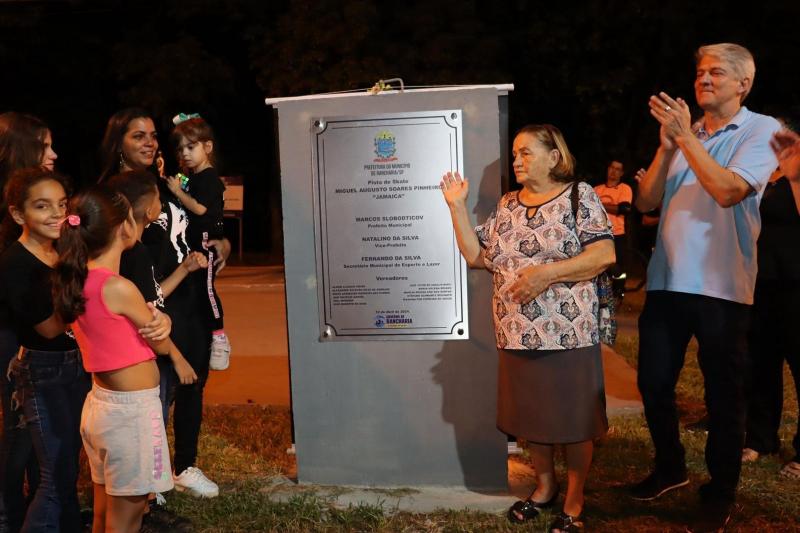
x=564 y=316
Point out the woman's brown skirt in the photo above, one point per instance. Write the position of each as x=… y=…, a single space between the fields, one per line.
x=552 y=396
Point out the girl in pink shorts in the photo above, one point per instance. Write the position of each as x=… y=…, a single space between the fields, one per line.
x=121 y=424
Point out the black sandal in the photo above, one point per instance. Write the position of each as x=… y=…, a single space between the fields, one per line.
x=530 y=509
x=567 y=523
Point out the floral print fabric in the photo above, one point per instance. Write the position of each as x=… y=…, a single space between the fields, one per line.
x=564 y=316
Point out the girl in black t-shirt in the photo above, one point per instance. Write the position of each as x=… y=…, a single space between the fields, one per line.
x=50 y=383
x=25 y=141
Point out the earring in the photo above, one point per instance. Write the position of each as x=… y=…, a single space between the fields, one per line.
x=121 y=160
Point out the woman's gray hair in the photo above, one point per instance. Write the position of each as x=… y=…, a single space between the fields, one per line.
x=736 y=56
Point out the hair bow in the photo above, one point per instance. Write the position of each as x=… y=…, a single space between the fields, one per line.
x=72 y=220
x=183 y=117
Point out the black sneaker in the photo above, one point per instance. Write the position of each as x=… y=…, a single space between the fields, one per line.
x=656 y=485
x=698 y=426
x=711 y=517
x=161 y=520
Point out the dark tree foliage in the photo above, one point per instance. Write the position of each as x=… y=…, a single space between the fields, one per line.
x=587 y=67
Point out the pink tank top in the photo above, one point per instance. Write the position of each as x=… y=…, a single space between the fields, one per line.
x=108 y=341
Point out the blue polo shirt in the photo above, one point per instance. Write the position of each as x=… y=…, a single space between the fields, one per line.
x=703 y=248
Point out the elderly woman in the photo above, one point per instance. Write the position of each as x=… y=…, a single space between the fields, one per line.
x=544 y=245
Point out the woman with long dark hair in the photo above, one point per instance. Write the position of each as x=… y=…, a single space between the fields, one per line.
x=131 y=143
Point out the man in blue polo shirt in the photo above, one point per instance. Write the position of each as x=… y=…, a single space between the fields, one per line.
x=708 y=179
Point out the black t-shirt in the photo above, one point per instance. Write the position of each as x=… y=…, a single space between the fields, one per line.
x=137 y=266
x=779 y=242
x=165 y=240
x=207 y=189
x=26 y=299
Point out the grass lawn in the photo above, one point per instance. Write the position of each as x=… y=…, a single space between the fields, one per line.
x=243 y=465
x=243 y=448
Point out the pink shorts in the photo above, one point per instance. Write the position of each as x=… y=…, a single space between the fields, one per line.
x=123 y=434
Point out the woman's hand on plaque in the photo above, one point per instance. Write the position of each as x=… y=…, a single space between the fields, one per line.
x=455 y=189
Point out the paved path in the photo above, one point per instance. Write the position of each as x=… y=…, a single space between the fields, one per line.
x=255 y=319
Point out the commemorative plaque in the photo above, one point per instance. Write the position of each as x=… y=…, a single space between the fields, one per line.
x=388 y=266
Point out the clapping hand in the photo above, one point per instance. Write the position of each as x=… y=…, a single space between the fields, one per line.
x=639 y=176
x=673 y=115
x=786 y=145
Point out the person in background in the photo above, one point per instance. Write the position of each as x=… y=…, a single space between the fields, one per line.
x=772 y=340
x=617 y=197
x=648 y=227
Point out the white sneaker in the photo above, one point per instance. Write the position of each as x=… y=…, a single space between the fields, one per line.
x=193 y=481
x=514 y=449
x=220 y=352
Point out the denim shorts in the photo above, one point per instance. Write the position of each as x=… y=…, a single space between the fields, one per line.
x=124 y=438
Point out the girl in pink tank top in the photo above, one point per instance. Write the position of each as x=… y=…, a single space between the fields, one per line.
x=121 y=425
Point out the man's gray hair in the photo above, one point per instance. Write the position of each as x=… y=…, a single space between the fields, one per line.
x=736 y=56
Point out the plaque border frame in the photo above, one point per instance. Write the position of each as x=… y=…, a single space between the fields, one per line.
x=453 y=118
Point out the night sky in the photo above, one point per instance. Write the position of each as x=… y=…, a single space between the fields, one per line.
x=587 y=67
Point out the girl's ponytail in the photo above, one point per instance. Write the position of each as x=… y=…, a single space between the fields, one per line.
x=71 y=271
x=93 y=218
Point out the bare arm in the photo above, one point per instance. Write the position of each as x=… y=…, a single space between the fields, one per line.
x=190 y=203
x=194 y=261
x=123 y=298
x=534 y=279
x=186 y=199
x=725 y=186
x=455 y=190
